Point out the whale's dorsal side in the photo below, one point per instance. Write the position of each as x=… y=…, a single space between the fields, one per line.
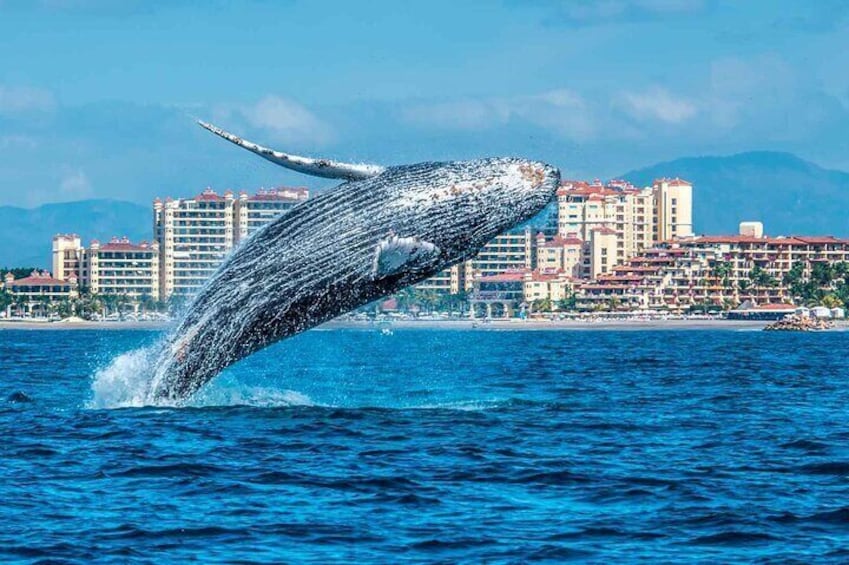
x=316 y=167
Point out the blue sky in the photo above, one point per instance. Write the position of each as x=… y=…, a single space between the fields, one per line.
x=98 y=97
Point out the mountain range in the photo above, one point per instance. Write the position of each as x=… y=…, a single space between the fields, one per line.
x=788 y=194
x=27 y=234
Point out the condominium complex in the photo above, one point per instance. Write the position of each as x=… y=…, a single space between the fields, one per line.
x=448 y=281
x=195 y=234
x=673 y=209
x=508 y=251
x=68 y=257
x=191 y=238
x=257 y=210
x=122 y=268
x=513 y=250
x=34 y=293
x=713 y=271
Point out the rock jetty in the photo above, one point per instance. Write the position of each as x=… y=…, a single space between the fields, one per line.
x=797 y=323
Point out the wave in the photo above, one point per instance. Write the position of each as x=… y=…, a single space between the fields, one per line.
x=126 y=383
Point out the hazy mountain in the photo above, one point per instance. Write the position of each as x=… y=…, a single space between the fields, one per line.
x=27 y=234
x=788 y=194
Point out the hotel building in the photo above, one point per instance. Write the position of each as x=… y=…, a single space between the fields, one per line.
x=195 y=234
x=34 y=293
x=69 y=258
x=673 y=209
x=123 y=268
x=511 y=251
x=514 y=250
x=584 y=208
x=255 y=211
x=713 y=271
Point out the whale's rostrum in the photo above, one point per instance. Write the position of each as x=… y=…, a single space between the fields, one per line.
x=389 y=228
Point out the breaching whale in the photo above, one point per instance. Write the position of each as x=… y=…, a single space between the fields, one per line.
x=383 y=229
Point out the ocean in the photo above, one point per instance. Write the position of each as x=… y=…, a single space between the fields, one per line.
x=426 y=445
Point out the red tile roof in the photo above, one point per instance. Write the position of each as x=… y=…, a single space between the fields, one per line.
x=558 y=241
x=37 y=280
x=121 y=246
x=509 y=276
x=673 y=182
x=604 y=230
x=209 y=195
x=822 y=239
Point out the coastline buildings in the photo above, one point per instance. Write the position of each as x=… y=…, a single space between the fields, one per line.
x=191 y=238
x=68 y=257
x=122 y=268
x=117 y=267
x=615 y=248
x=673 y=209
x=32 y=295
x=716 y=272
x=195 y=234
x=257 y=210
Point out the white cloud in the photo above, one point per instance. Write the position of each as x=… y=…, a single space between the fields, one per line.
x=561 y=110
x=75 y=184
x=23 y=99
x=288 y=121
x=658 y=104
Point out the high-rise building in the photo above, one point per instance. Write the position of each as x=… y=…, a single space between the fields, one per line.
x=262 y=208
x=560 y=254
x=618 y=206
x=448 y=281
x=509 y=251
x=68 y=257
x=673 y=209
x=123 y=268
x=195 y=234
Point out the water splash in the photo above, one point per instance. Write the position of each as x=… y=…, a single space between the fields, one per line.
x=125 y=382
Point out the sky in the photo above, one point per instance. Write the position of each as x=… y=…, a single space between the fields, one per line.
x=98 y=98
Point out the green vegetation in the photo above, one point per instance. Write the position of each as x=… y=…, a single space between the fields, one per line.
x=18 y=272
x=761 y=278
x=827 y=285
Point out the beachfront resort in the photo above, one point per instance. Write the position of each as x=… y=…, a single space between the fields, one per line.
x=603 y=247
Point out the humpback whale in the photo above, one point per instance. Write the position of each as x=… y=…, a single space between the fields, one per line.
x=381 y=230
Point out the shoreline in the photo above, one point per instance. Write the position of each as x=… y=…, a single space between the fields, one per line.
x=521 y=325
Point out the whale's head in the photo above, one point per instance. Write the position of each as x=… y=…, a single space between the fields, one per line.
x=462 y=205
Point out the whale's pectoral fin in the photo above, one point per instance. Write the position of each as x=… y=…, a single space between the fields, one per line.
x=307 y=165
x=396 y=254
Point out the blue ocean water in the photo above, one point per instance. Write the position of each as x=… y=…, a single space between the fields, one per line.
x=436 y=445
